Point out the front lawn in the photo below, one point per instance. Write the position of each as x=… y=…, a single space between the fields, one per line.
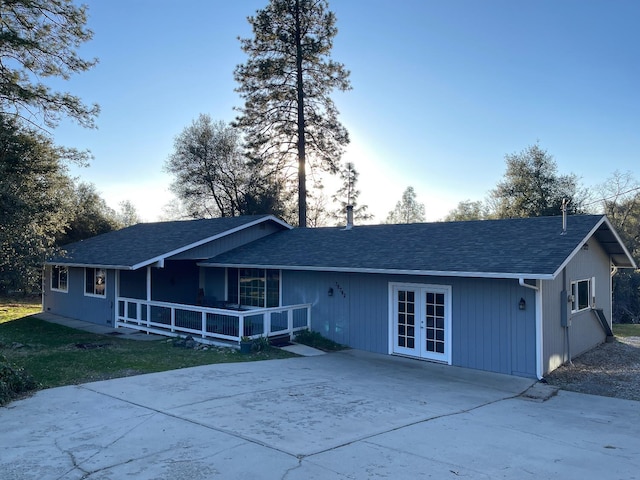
x=626 y=329
x=54 y=355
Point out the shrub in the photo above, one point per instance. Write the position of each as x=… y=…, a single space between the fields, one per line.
x=315 y=340
x=13 y=382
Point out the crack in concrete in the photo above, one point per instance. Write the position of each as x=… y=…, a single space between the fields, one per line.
x=417 y=422
x=300 y=457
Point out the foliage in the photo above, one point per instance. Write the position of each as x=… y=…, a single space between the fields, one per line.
x=127 y=215
x=532 y=187
x=316 y=340
x=89 y=215
x=39 y=39
x=288 y=114
x=317 y=214
x=34 y=193
x=467 y=210
x=212 y=178
x=13 y=381
x=408 y=210
x=348 y=194
x=261 y=344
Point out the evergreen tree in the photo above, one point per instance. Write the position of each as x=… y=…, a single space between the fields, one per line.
x=408 y=210
x=39 y=39
x=348 y=194
x=288 y=115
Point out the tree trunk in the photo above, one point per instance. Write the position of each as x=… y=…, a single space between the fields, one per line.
x=302 y=177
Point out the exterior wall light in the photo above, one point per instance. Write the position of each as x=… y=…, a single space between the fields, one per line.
x=330 y=292
x=522 y=304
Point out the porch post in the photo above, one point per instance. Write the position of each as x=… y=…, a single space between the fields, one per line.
x=148 y=294
x=116 y=310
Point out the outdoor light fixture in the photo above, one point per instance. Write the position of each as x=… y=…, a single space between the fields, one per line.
x=522 y=304
x=330 y=293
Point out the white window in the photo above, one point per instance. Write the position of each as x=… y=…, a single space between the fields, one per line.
x=59 y=279
x=253 y=287
x=582 y=294
x=95 y=282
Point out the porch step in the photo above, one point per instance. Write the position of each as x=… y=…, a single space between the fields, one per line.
x=303 y=350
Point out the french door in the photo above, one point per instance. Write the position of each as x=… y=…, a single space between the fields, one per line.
x=421 y=321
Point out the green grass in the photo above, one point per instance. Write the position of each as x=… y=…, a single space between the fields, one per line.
x=54 y=355
x=11 y=309
x=626 y=330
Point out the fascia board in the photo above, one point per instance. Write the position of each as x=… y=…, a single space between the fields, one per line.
x=161 y=258
x=90 y=265
x=591 y=233
x=620 y=242
x=431 y=273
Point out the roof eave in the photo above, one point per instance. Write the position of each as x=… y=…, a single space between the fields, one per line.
x=89 y=265
x=605 y=220
x=389 y=271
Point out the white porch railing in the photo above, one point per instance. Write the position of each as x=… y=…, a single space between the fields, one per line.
x=173 y=319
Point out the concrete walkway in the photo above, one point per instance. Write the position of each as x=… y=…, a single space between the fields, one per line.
x=345 y=415
x=121 y=332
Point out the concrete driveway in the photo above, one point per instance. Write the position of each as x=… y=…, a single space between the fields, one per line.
x=343 y=415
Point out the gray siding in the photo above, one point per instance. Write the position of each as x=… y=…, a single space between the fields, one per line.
x=75 y=304
x=489 y=332
x=585 y=331
x=229 y=242
x=133 y=283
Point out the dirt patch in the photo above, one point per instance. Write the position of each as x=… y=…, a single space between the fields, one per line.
x=611 y=369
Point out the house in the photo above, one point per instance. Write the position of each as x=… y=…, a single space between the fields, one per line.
x=515 y=296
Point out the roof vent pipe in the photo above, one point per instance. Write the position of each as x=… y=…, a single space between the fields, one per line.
x=564 y=216
x=349 y=217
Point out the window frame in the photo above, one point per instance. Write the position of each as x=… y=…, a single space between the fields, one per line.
x=267 y=279
x=579 y=304
x=94 y=292
x=56 y=273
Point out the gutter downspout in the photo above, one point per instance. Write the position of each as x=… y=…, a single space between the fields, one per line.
x=539 y=353
x=523 y=284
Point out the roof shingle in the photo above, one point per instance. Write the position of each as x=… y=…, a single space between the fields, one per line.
x=532 y=247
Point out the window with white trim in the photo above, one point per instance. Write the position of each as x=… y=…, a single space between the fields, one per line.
x=253 y=287
x=581 y=295
x=95 y=282
x=59 y=279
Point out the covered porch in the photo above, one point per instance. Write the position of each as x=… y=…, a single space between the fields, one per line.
x=212 y=325
x=177 y=298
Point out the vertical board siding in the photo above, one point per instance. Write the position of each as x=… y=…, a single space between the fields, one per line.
x=133 y=283
x=585 y=331
x=177 y=282
x=75 y=304
x=229 y=242
x=488 y=330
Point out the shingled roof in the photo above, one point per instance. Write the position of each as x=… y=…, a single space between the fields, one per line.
x=147 y=243
x=510 y=248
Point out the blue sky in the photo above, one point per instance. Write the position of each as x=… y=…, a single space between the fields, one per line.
x=442 y=90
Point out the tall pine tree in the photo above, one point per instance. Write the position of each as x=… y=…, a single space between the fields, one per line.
x=286 y=82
